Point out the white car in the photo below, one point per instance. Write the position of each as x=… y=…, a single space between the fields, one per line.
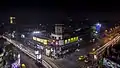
x=77 y=50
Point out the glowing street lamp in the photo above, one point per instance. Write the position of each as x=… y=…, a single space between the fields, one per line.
x=98 y=26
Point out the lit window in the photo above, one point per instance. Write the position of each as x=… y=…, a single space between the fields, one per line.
x=45 y=42
x=74 y=38
x=38 y=40
x=71 y=39
x=66 y=42
x=34 y=38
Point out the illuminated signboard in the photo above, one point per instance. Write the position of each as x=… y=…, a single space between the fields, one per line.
x=38 y=39
x=72 y=40
x=45 y=42
x=41 y=40
x=66 y=41
x=34 y=38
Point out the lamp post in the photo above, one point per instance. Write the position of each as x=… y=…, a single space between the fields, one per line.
x=98 y=26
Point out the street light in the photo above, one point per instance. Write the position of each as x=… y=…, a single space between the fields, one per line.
x=96 y=32
x=98 y=24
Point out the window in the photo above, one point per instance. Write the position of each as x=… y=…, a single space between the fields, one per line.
x=59 y=37
x=59 y=29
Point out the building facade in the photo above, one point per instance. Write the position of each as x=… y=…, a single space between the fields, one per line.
x=58 y=39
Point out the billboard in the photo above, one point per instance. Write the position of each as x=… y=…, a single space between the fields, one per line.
x=66 y=41
x=43 y=41
x=70 y=40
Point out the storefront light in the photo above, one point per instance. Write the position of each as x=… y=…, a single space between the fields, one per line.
x=53 y=40
x=38 y=40
x=34 y=38
x=66 y=42
x=74 y=38
x=36 y=52
x=71 y=39
x=42 y=41
x=45 y=42
x=56 y=43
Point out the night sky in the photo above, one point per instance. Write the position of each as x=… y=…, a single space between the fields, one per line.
x=49 y=11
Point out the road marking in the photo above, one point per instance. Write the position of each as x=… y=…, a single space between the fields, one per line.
x=47 y=65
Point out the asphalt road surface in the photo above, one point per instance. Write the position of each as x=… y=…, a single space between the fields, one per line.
x=30 y=63
x=71 y=61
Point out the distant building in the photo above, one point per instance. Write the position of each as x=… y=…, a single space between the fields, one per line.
x=58 y=39
x=62 y=35
x=58 y=32
x=12 y=20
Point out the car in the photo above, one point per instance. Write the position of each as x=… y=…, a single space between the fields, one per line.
x=23 y=66
x=93 y=51
x=86 y=61
x=81 y=58
x=77 y=50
